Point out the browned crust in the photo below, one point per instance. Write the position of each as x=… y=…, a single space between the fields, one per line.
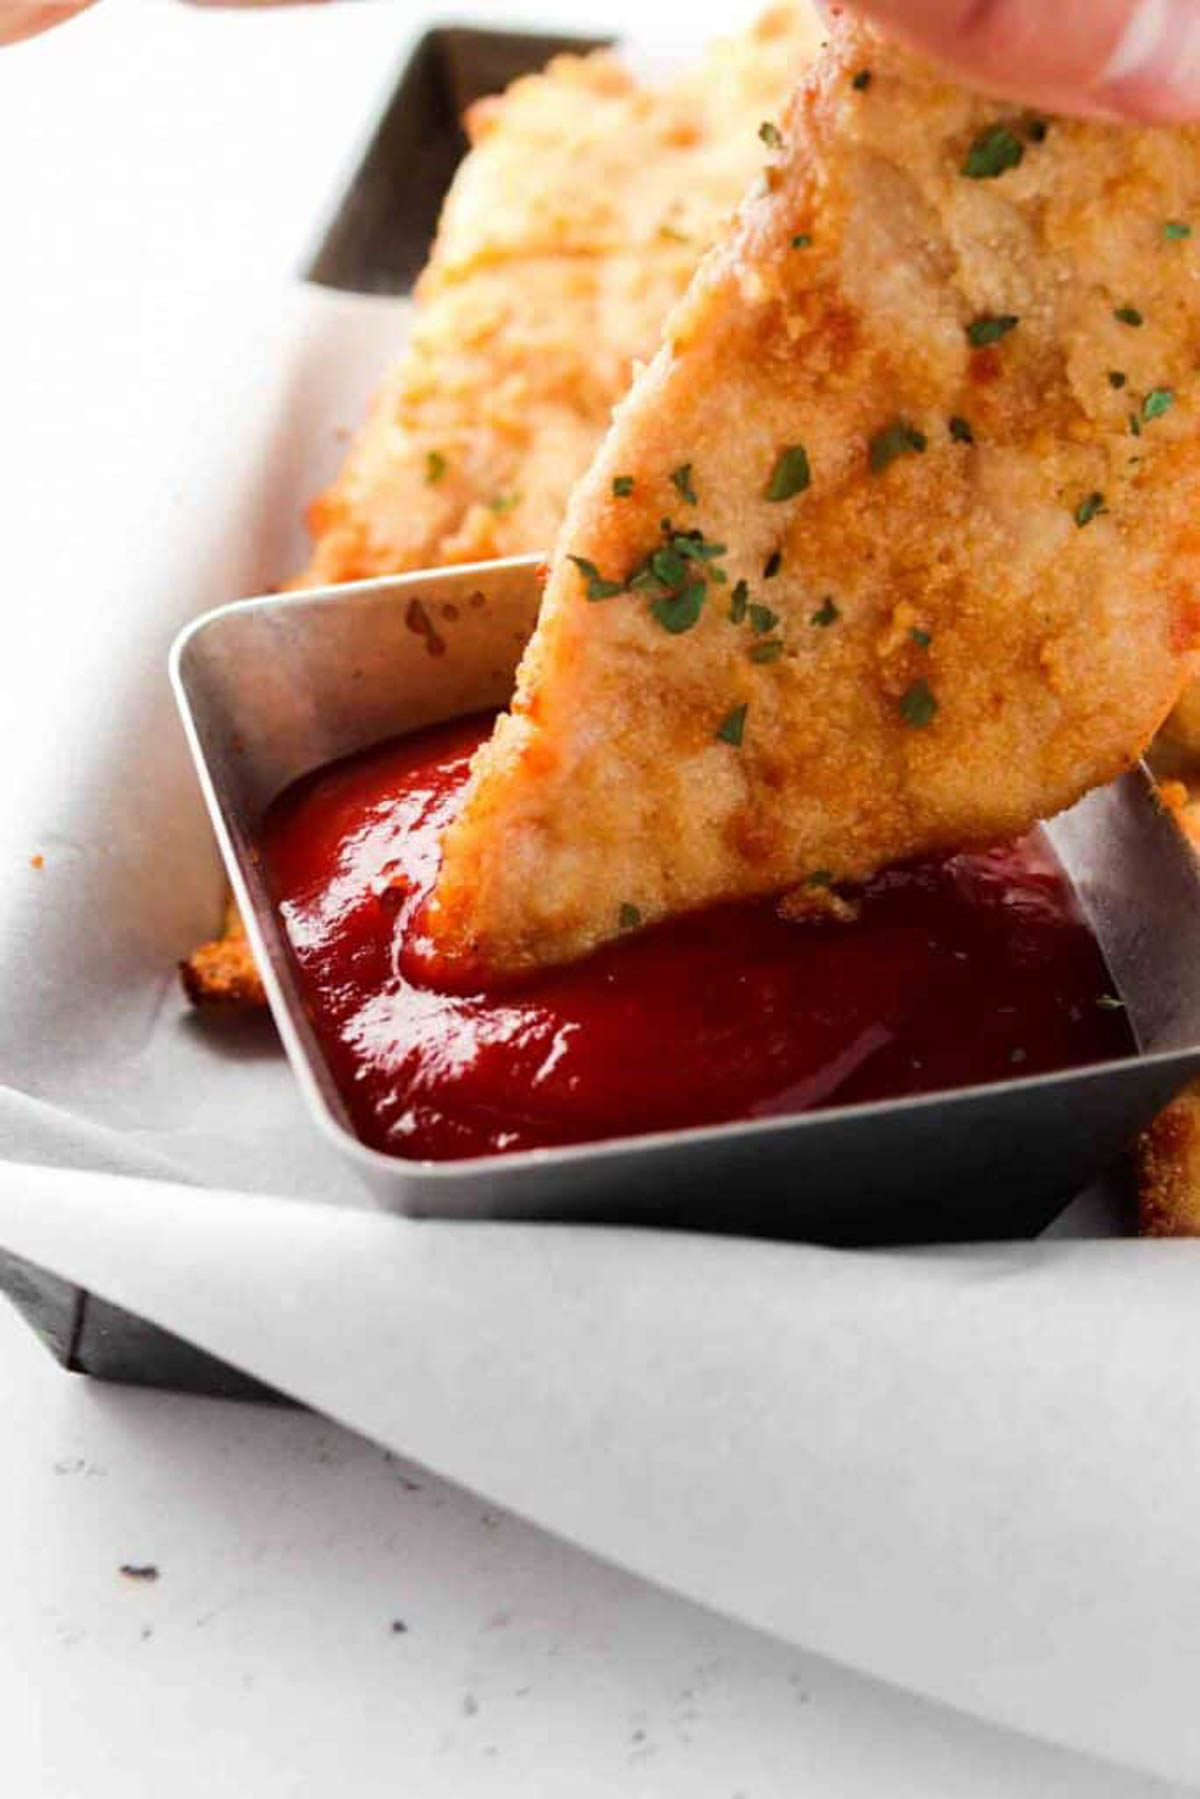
x=1167 y=1158
x=221 y=975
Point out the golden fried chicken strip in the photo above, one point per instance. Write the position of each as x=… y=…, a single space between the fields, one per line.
x=1167 y=1160
x=935 y=398
x=571 y=229
x=221 y=976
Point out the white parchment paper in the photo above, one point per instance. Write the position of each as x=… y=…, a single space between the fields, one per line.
x=974 y=1473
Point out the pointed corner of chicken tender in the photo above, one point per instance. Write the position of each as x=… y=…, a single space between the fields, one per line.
x=894 y=546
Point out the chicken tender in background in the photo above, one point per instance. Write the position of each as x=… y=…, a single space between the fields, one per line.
x=571 y=229
x=891 y=550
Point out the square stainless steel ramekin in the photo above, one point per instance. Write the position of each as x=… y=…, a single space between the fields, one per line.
x=272 y=688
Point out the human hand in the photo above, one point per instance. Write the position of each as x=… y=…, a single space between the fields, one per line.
x=25 y=18
x=1132 y=59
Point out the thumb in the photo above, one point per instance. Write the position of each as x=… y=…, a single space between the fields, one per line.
x=1135 y=59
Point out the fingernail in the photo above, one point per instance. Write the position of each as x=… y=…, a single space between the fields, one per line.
x=1154 y=72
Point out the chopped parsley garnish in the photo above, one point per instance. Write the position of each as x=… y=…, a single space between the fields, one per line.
x=629 y=918
x=666 y=570
x=802 y=241
x=1176 y=230
x=827 y=614
x=1108 y=1002
x=1117 y=378
x=504 y=502
x=961 y=431
x=1128 y=315
x=597 y=587
x=696 y=546
x=918 y=705
x=1157 y=401
x=678 y=612
x=993 y=152
x=762 y=620
x=922 y=639
x=435 y=467
x=1089 y=509
x=681 y=481
x=732 y=727
x=990 y=329
x=862 y=81
x=899 y=439
x=791 y=474
x=820 y=877
x=739 y=600
x=771 y=135
x=622 y=486
x=772 y=565
x=767 y=652
x=1135 y=425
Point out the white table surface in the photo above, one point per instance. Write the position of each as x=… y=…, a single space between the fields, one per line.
x=154 y=145
x=264 y=1662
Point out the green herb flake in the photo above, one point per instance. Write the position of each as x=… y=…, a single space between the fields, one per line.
x=899 y=439
x=791 y=474
x=739 y=600
x=827 y=614
x=762 y=620
x=505 y=502
x=732 y=727
x=772 y=565
x=802 y=241
x=994 y=152
x=695 y=546
x=961 y=431
x=1176 y=230
x=918 y=705
x=668 y=567
x=1089 y=509
x=435 y=467
x=767 y=652
x=1128 y=315
x=622 y=486
x=990 y=329
x=678 y=612
x=629 y=918
x=820 y=877
x=1117 y=379
x=1157 y=401
x=862 y=81
x=681 y=481
x=597 y=587
x=922 y=639
x=771 y=135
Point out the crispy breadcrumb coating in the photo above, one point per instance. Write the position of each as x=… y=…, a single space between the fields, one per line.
x=930 y=409
x=571 y=229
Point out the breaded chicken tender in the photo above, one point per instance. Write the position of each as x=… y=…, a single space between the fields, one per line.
x=893 y=549
x=571 y=229
x=1167 y=1159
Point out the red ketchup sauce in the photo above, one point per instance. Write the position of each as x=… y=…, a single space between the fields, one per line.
x=972 y=969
